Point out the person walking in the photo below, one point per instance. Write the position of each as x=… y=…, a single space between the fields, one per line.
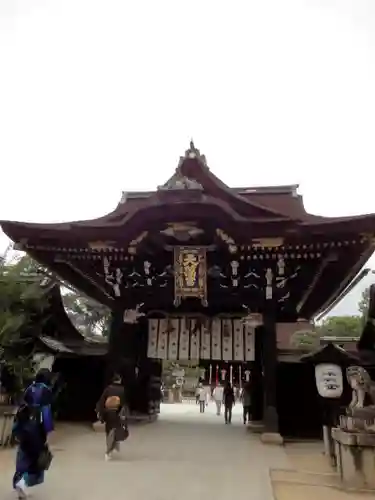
x=197 y=395
x=111 y=410
x=229 y=401
x=202 y=398
x=246 y=403
x=32 y=424
x=218 y=396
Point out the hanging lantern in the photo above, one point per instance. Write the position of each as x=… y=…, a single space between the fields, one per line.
x=329 y=380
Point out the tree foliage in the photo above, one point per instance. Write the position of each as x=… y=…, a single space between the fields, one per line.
x=341 y=326
x=335 y=326
x=88 y=316
x=363 y=305
x=347 y=326
x=305 y=339
x=23 y=302
x=21 y=306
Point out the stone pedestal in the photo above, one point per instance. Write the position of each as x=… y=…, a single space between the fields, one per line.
x=355 y=452
x=329 y=446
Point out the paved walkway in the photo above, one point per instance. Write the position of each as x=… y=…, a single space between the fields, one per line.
x=184 y=455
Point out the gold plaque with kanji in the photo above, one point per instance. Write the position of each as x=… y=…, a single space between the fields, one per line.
x=190 y=273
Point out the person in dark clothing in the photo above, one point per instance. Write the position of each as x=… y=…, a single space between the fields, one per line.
x=33 y=422
x=246 y=403
x=111 y=410
x=229 y=401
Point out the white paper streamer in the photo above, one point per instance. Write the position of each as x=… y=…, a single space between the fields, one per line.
x=249 y=342
x=227 y=336
x=184 y=340
x=206 y=344
x=194 y=340
x=216 y=339
x=238 y=340
x=163 y=339
x=174 y=325
x=152 y=347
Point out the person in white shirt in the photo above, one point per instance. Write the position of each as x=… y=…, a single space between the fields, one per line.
x=218 y=395
x=202 y=398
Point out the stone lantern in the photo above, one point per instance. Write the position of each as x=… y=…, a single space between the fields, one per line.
x=329 y=362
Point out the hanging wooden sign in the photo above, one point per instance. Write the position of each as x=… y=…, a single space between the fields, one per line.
x=190 y=271
x=180 y=339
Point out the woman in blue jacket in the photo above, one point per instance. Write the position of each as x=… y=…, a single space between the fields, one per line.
x=32 y=425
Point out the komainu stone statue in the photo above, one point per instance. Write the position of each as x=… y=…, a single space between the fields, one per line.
x=355 y=437
x=361 y=416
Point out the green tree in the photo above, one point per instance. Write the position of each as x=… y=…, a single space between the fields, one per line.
x=22 y=303
x=305 y=339
x=363 y=305
x=341 y=326
x=87 y=315
x=21 y=306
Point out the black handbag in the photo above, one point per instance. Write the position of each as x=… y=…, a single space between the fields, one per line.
x=122 y=433
x=45 y=459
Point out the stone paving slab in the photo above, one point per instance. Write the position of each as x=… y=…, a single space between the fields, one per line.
x=288 y=491
x=183 y=456
x=310 y=477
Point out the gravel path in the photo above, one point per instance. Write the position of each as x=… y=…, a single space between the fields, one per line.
x=183 y=456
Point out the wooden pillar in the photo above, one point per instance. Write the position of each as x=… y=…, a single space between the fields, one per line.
x=269 y=356
x=114 y=355
x=154 y=394
x=257 y=379
x=122 y=353
x=142 y=368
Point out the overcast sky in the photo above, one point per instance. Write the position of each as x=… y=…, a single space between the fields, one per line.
x=97 y=97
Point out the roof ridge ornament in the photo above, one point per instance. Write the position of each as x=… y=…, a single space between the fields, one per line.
x=124 y=197
x=192 y=153
x=178 y=181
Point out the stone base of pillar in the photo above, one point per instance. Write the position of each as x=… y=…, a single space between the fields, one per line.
x=256 y=426
x=271 y=438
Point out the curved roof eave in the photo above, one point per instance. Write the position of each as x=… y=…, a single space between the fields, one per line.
x=355 y=281
x=155 y=209
x=344 y=285
x=193 y=165
x=356 y=223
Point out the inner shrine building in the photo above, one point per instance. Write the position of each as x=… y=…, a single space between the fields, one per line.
x=196 y=270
